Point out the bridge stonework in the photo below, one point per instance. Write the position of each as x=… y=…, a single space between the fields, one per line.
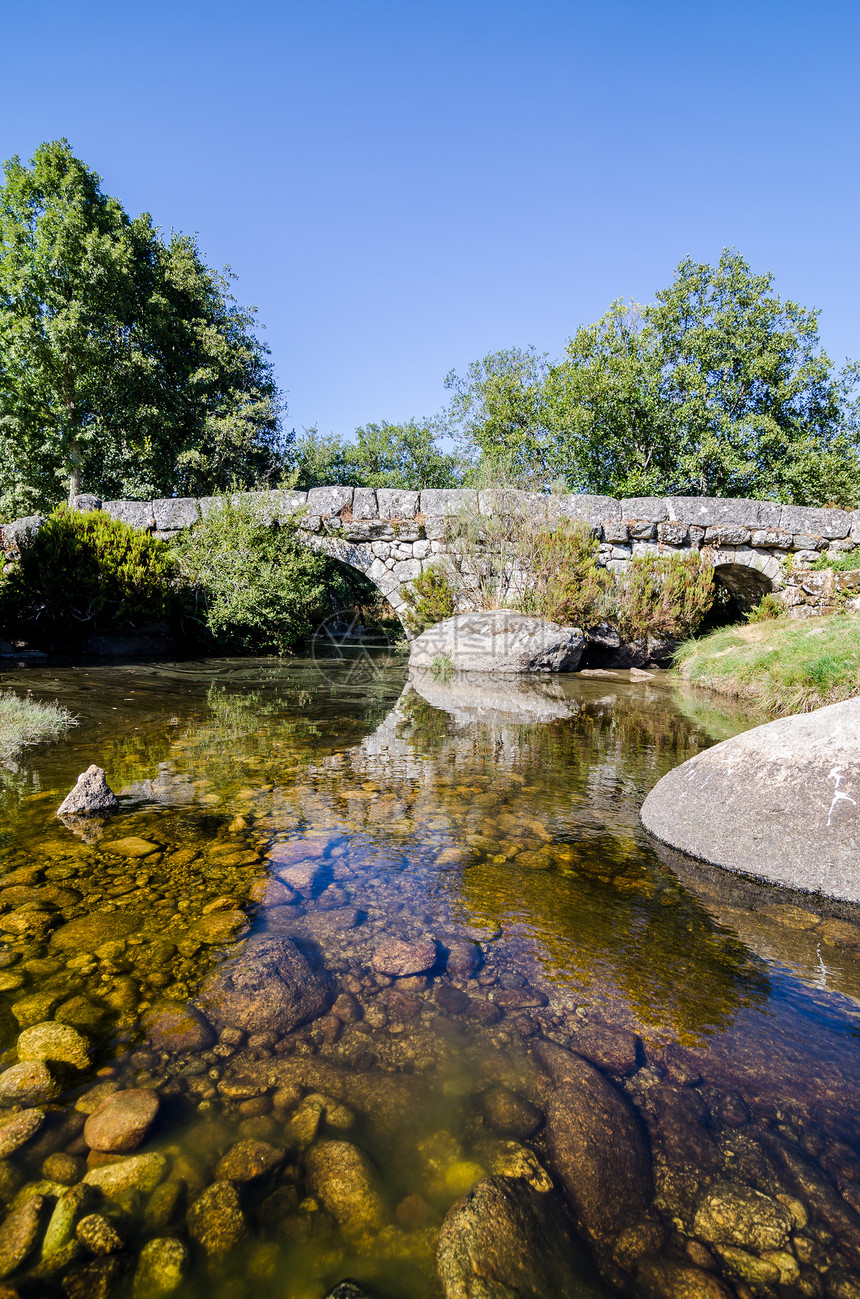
x=391 y=536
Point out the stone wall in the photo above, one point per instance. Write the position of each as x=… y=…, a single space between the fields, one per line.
x=389 y=535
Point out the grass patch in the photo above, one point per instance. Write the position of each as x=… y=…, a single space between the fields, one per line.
x=846 y=564
x=782 y=666
x=26 y=721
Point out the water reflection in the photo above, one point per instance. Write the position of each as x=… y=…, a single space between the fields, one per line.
x=261 y=802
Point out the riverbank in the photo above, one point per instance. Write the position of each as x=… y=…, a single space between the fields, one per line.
x=784 y=666
x=27 y=721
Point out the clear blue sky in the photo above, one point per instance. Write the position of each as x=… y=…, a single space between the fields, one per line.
x=403 y=187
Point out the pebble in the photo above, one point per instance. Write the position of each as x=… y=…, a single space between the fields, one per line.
x=56 y=1043
x=28 y=1083
x=161 y=1267
x=122 y=1121
x=398 y=957
x=19 y=1129
x=215 y=1220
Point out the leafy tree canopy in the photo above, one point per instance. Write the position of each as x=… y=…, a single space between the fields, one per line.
x=717 y=388
x=126 y=366
x=406 y=456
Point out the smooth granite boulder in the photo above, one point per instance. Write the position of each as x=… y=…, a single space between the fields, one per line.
x=498 y=640
x=780 y=802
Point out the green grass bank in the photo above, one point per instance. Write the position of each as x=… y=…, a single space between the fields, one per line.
x=26 y=721
x=783 y=666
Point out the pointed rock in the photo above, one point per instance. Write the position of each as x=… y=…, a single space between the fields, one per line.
x=91 y=796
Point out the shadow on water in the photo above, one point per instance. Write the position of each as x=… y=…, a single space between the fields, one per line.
x=346 y=806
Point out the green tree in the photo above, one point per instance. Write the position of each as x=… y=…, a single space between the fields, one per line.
x=126 y=368
x=610 y=428
x=717 y=388
x=497 y=410
x=405 y=456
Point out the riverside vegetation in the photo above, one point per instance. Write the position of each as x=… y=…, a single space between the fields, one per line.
x=26 y=721
x=508 y=561
x=340 y=958
x=235 y=582
x=781 y=665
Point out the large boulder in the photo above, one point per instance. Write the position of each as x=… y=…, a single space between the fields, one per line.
x=268 y=988
x=504 y=1240
x=780 y=802
x=500 y=640
x=91 y=796
x=597 y=1145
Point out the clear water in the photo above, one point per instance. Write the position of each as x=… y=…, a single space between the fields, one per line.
x=505 y=816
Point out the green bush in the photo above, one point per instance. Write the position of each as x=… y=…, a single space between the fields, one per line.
x=666 y=596
x=562 y=578
x=87 y=570
x=768 y=608
x=430 y=599
x=846 y=564
x=251 y=584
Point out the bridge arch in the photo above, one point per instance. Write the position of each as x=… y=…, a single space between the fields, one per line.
x=746 y=575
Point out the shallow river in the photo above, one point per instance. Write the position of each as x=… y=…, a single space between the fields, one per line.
x=666 y=1054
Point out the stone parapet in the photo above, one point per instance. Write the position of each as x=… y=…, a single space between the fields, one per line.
x=393 y=535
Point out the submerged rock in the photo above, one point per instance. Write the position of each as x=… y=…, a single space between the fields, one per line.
x=138 y=1173
x=732 y=1214
x=269 y=988
x=500 y=640
x=666 y=1278
x=503 y=1240
x=98 y=1234
x=122 y=1120
x=55 y=1044
x=597 y=1145
x=91 y=796
x=174 y=1027
x=18 y=1130
x=89 y=932
x=215 y=1220
x=28 y=1083
x=160 y=1269
x=18 y=1234
x=342 y=1177
x=400 y=958
x=248 y=1160
x=508 y=1113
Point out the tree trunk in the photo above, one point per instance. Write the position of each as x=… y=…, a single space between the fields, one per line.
x=74 y=473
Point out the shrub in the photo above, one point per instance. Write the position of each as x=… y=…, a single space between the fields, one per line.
x=666 y=596
x=768 y=608
x=252 y=584
x=561 y=578
x=83 y=570
x=430 y=599
x=845 y=564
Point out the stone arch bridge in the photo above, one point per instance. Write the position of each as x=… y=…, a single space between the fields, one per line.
x=390 y=536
